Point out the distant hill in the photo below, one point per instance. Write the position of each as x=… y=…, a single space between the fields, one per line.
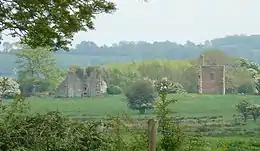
x=7 y=61
x=88 y=53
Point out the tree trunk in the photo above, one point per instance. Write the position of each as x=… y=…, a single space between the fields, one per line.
x=245 y=117
x=1 y=100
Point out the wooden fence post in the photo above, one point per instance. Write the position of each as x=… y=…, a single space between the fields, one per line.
x=152 y=135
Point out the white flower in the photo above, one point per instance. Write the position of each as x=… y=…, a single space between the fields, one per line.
x=8 y=86
x=165 y=78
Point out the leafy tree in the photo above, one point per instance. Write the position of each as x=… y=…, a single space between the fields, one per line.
x=121 y=78
x=154 y=70
x=254 y=69
x=49 y=22
x=189 y=79
x=141 y=95
x=37 y=67
x=157 y=69
x=245 y=108
x=251 y=66
x=239 y=79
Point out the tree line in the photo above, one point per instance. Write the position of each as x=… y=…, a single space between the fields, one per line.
x=38 y=71
x=242 y=45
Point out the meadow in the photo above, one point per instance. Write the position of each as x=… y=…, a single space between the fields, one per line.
x=211 y=115
x=188 y=105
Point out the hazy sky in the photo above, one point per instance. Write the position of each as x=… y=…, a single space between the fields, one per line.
x=174 y=20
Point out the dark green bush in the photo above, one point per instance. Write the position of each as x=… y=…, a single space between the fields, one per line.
x=247 y=88
x=27 y=89
x=114 y=90
x=141 y=96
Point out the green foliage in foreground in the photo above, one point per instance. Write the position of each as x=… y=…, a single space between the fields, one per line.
x=20 y=129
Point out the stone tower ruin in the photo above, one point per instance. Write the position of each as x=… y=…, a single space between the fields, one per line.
x=211 y=78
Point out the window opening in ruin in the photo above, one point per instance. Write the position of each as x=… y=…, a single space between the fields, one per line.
x=85 y=88
x=212 y=76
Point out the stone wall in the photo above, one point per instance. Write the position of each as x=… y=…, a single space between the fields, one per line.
x=93 y=82
x=70 y=87
x=74 y=85
x=212 y=79
x=82 y=83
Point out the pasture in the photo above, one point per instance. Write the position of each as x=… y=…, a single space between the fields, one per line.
x=211 y=115
x=188 y=105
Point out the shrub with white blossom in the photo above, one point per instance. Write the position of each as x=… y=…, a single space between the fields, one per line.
x=163 y=86
x=8 y=87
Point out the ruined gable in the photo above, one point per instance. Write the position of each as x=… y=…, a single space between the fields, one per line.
x=71 y=86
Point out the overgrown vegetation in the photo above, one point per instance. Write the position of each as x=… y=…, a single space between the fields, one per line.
x=22 y=129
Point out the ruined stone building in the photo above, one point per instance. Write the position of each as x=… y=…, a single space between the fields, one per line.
x=211 y=77
x=81 y=83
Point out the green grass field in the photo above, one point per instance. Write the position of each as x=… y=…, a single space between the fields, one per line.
x=215 y=110
x=188 y=105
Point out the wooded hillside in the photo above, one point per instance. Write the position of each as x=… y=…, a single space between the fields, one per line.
x=88 y=53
